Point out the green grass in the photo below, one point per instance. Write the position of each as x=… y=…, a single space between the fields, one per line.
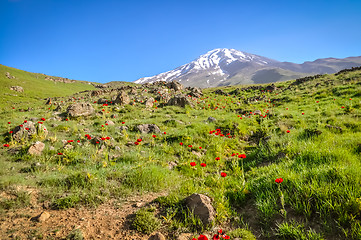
x=319 y=197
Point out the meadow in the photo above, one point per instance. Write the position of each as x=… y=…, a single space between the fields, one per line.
x=283 y=163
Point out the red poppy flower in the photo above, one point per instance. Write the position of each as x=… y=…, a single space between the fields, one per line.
x=225 y=237
x=223 y=174
x=303 y=113
x=242 y=156
x=215 y=237
x=342 y=107
x=202 y=237
x=78 y=141
x=165 y=133
x=27 y=129
x=233 y=154
x=279 y=180
x=6 y=145
x=60 y=153
x=20 y=125
x=69 y=141
x=136 y=143
x=40 y=122
x=193 y=164
x=102 y=125
x=317 y=101
x=181 y=143
x=154 y=136
x=107 y=138
x=220 y=231
x=123 y=122
x=9 y=122
x=203 y=164
x=194 y=238
x=95 y=101
x=218 y=158
x=25 y=121
x=106 y=124
x=288 y=131
x=97 y=142
x=139 y=140
x=103 y=138
x=190 y=146
x=43 y=119
x=66 y=119
x=350 y=99
x=11 y=132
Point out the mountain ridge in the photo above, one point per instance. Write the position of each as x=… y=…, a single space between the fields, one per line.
x=223 y=67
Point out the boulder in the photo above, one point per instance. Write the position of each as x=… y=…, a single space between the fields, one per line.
x=180 y=101
x=201 y=206
x=257 y=112
x=157 y=236
x=122 y=98
x=80 y=109
x=8 y=75
x=17 y=88
x=176 y=86
x=148 y=128
x=211 y=119
x=36 y=149
x=102 y=101
x=24 y=130
x=149 y=103
x=195 y=92
x=42 y=217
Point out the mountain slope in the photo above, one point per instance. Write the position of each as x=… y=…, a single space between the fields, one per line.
x=222 y=67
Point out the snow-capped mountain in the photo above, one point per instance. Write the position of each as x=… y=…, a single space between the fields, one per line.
x=222 y=66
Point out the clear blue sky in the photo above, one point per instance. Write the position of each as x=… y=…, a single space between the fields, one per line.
x=110 y=40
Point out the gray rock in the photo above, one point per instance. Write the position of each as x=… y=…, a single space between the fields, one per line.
x=80 y=109
x=176 y=86
x=157 y=236
x=122 y=98
x=211 y=119
x=257 y=112
x=109 y=122
x=148 y=128
x=201 y=206
x=26 y=130
x=180 y=101
x=150 y=102
x=36 y=149
x=17 y=88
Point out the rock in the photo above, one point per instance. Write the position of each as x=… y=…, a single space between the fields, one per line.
x=102 y=101
x=8 y=75
x=148 y=128
x=17 y=88
x=211 y=119
x=36 y=149
x=220 y=92
x=149 y=103
x=185 y=236
x=172 y=165
x=198 y=154
x=58 y=108
x=271 y=87
x=122 y=128
x=157 y=236
x=180 y=101
x=122 y=98
x=80 y=109
x=201 y=206
x=176 y=86
x=42 y=217
x=257 y=112
x=109 y=122
x=26 y=130
x=195 y=92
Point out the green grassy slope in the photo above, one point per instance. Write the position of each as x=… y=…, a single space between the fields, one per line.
x=35 y=87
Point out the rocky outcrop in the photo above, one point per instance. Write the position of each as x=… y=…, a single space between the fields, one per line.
x=8 y=75
x=122 y=98
x=150 y=102
x=176 y=86
x=23 y=131
x=180 y=101
x=80 y=109
x=195 y=92
x=17 y=88
x=36 y=149
x=148 y=128
x=201 y=206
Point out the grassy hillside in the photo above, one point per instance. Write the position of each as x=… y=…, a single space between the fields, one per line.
x=35 y=87
x=306 y=132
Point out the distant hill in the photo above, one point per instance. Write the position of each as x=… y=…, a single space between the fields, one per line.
x=223 y=67
x=35 y=86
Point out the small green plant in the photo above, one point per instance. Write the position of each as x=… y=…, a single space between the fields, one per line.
x=145 y=221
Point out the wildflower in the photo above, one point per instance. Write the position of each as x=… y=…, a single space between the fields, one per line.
x=317 y=101
x=190 y=146
x=165 y=133
x=66 y=119
x=303 y=113
x=69 y=141
x=218 y=158
x=20 y=125
x=242 y=156
x=226 y=237
x=202 y=237
x=107 y=138
x=233 y=154
x=288 y=131
x=154 y=136
x=279 y=180
x=6 y=145
x=9 y=122
x=40 y=122
x=342 y=107
x=350 y=99
x=215 y=237
x=139 y=140
x=223 y=174
x=181 y=143
x=193 y=164
x=25 y=121
x=43 y=119
x=203 y=164
x=200 y=147
x=102 y=125
x=136 y=143
x=103 y=138
x=60 y=153
x=78 y=141
x=123 y=122
x=27 y=129
x=97 y=142
x=11 y=132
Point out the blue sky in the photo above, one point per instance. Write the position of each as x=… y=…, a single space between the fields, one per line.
x=115 y=40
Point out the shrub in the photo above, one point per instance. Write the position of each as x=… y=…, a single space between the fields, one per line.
x=145 y=221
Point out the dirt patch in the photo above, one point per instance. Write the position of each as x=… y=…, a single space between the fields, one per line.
x=107 y=221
